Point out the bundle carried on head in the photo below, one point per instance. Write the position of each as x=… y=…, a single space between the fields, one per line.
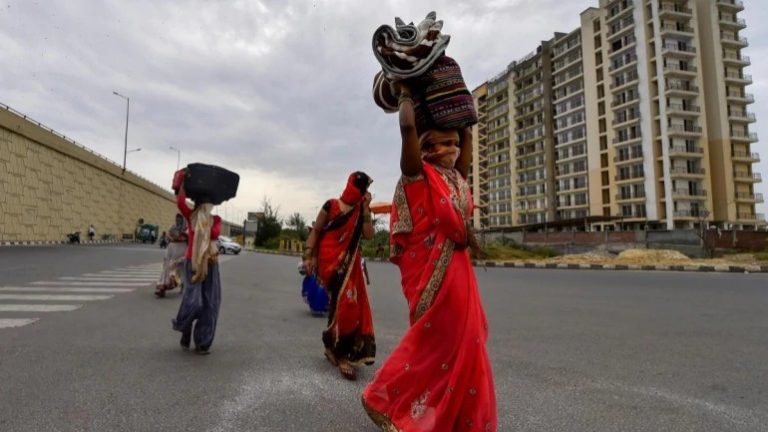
x=207 y=186
x=407 y=51
x=417 y=53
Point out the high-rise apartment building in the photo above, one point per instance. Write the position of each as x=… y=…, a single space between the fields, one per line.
x=637 y=118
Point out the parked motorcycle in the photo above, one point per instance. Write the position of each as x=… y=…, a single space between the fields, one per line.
x=73 y=238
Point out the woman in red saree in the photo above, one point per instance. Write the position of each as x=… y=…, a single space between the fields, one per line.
x=439 y=378
x=333 y=252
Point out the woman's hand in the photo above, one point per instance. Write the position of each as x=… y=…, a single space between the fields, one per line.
x=310 y=265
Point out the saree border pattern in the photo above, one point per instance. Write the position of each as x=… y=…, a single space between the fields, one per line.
x=404 y=224
x=435 y=280
x=379 y=419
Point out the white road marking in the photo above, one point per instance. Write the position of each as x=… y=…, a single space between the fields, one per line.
x=18 y=322
x=117 y=276
x=107 y=279
x=54 y=297
x=37 y=308
x=100 y=284
x=65 y=289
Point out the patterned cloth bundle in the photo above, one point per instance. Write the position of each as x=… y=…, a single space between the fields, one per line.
x=408 y=50
x=417 y=53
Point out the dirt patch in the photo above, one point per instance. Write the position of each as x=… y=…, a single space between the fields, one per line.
x=660 y=257
x=650 y=256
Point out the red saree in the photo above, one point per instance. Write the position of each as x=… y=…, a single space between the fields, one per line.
x=349 y=334
x=439 y=378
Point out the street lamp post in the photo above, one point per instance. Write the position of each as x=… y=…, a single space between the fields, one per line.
x=127 y=110
x=178 y=156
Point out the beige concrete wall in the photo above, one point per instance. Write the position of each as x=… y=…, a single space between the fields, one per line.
x=50 y=187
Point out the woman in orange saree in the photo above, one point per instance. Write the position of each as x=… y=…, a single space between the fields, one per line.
x=439 y=378
x=333 y=252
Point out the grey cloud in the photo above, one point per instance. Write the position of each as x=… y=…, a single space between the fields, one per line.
x=271 y=87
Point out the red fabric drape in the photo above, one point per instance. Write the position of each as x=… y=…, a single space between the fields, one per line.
x=350 y=326
x=439 y=378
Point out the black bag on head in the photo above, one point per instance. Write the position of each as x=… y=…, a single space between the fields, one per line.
x=210 y=184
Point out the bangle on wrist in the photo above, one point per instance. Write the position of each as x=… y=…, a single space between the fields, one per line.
x=404 y=97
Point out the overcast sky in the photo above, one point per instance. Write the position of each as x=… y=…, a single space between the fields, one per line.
x=276 y=90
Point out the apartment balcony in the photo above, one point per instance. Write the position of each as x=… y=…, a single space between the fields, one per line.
x=752 y=218
x=630 y=198
x=745 y=177
x=617 y=67
x=632 y=79
x=621 y=13
x=670 y=29
x=687 y=52
x=619 y=102
x=750 y=137
x=734 y=78
x=731 y=5
x=624 y=122
x=733 y=23
x=690 y=214
x=626 y=140
x=630 y=158
x=683 y=110
x=737 y=60
x=746 y=157
x=742 y=117
x=677 y=70
x=686 y=151
x=684 y=172
x=625 y=25
x=667 y=10
x=535 y=110
x=680 y=130
x=735 y=42
x=564 y=64
x=674 y=89
x=571 y=157
x=562 y=80
x=749 y=198
x=689 y=194
x=629 y=178
x=572 y=206
x=746 y=98
x=561 y=51
x=629 y=42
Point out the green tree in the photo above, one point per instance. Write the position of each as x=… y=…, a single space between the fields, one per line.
x=270 y=226
x=297 y=223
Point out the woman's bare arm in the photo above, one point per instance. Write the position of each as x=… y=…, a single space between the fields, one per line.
x=310 y=247
x=368 y=230
x=465 y=158
x=410 y=154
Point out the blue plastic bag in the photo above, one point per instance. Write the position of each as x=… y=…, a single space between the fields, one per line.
x=314 y=295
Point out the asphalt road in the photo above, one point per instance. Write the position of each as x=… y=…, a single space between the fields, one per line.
x=571 y=350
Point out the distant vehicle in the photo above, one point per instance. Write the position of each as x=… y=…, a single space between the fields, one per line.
x=227 y=245
x=147 y=233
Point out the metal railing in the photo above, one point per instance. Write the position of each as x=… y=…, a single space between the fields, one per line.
x=681 y=87
x=689 y=193
x=684 y=150
x=686 y=129
x=688 y=171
